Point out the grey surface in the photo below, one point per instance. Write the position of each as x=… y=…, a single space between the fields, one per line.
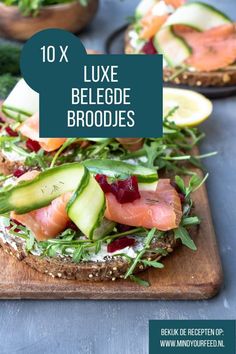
x=114 y=327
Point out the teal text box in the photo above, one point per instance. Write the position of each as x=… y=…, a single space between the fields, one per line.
x=192 y=337
x=72 y=86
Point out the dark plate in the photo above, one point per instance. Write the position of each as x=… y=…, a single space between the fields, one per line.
x=115 y=45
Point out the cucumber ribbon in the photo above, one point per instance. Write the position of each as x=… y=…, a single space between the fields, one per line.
x=21 y=103
x=85 y=208
x=197 y=15
x=120 y=169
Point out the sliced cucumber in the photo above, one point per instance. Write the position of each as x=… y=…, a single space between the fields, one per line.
x=119 y=169
x=174 y=49
x=22 y=102
x=87 y=205
x=143 y=7
x=104 y=229
x=85 y=208
x=198 y=15
x=148 y=186
x=39 y=192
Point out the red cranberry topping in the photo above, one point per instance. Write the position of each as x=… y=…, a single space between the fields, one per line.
x=120 y=243
x=102 y=180
x=125 y=191
x=33 y=145
x=149 y=48
x=19 y=172
x=11 y=132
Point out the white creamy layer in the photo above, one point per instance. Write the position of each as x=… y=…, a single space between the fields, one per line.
x=102 y=256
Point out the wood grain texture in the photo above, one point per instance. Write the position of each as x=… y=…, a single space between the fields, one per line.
x=187 y=274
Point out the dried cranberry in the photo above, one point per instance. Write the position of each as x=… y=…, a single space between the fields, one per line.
x=123 y=228
x=19 y=172
x=33 y=145
x=102 y=180
x=126 y=191
x=149 y=48
x=120 y=243
x=11 y=132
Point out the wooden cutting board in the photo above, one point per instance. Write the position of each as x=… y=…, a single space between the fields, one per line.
x=187 y=274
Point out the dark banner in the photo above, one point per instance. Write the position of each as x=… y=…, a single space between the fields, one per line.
x=192 y=337
x=92 y=95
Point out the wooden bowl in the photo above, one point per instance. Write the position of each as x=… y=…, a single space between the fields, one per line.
x=71 y=17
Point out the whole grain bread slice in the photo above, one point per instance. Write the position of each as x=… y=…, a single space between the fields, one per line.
x=219 y=78
x=111 y=268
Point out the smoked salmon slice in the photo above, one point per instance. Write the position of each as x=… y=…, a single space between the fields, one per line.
x=212 y=49
x=151 y=25
x=175 y=3
x=47 y=222
x=161 y=208
x=30 y=129
x=156 y=17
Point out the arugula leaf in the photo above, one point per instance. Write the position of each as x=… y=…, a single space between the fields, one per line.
x=138 y=259
x=78 y=254
x=180 y=183
x=197 y=183
x=30 y=242
x=66 y=144
x=153 y=264
x=192 y=220
x=52 y=250
x=182 y=234
x=98 y=246
x=149 y=237
x=194 y=183
x=139 y=281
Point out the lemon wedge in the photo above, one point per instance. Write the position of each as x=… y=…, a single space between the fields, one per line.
x=192 y=108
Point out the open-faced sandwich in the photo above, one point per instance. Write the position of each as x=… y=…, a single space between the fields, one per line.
x=197 y=41
x=98 y=211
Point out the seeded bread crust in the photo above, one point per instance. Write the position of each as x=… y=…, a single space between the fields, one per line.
x=220 y=78
x=63 y=267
